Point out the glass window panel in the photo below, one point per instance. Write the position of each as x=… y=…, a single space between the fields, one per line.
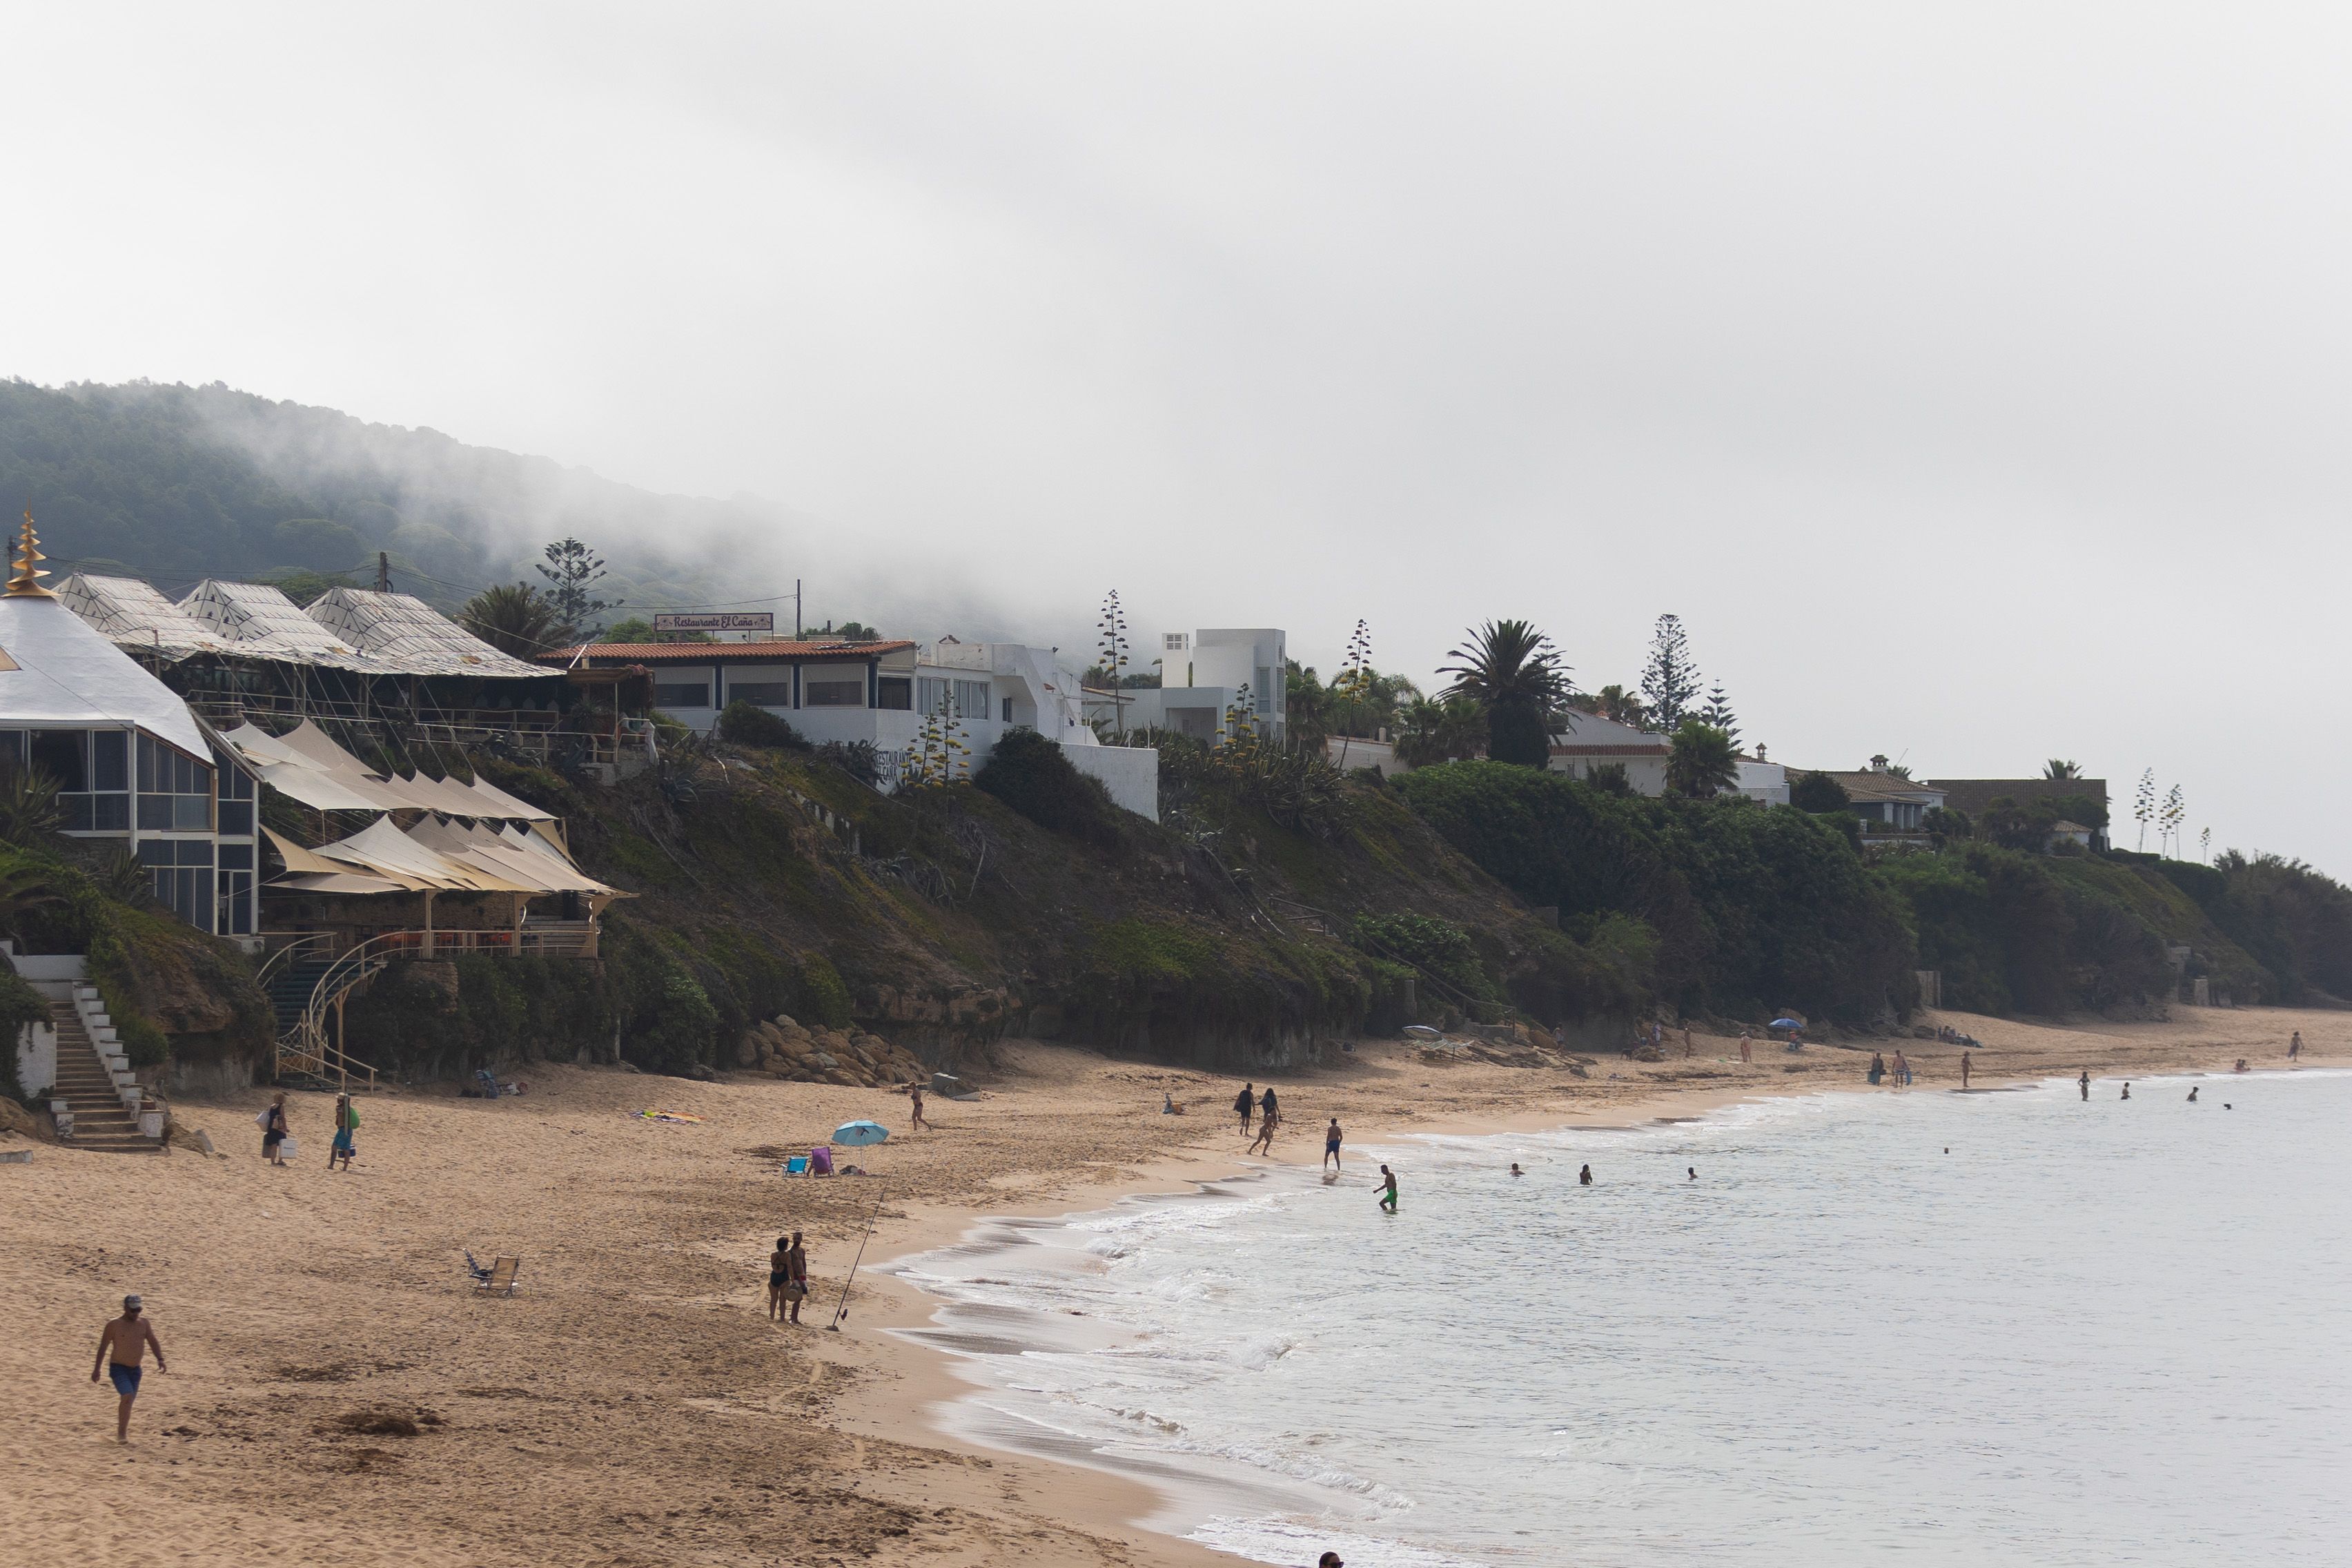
x=834 y=694
x=109 y=759
x=59 y=754
x=146 y=764
x=109 y=813
x=236 y=857
x=191 y=812
x=235 y=817
x=77 y=810
x=682 y=695
x=155 y=813
x=760 y=693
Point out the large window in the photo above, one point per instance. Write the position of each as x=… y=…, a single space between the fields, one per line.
x=175 y=792
x=183 y=873
x=684 y=694
x=92 y=772
x=964 y=698
x=834 y=694
x=760 y=693
x=235 y=802
x=894 y=691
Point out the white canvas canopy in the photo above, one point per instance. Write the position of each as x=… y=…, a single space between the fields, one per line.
x=60 y=672
x=306 y=765
x=435 y=855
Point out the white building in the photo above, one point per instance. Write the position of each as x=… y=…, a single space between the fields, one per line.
x=133 y=764
x=1204 y=674
x=1591 y=742
x=881 y=693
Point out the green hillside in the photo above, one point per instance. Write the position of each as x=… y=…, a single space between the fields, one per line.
x=178 y=483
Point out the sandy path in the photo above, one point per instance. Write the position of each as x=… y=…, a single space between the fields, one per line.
x=632 y=1404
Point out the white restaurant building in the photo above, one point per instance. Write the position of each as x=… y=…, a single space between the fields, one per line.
x=880 y=693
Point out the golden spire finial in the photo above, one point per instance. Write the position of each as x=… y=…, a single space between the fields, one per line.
x=25 y=579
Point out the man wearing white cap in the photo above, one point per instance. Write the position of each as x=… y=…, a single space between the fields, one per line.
x=122 y=1346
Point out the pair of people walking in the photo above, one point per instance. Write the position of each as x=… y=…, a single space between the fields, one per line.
x=277 y=1131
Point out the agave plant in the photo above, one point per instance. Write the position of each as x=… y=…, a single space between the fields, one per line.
x=29 y=811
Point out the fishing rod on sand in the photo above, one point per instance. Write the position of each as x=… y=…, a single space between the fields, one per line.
x=841 y=1308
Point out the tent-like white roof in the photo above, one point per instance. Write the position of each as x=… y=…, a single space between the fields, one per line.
x=305 y=764
x=434 y=855
x=136 y=615
x=262 y=623
x=59 y=672
x=408 y=635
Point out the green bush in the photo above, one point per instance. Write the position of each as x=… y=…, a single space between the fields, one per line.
x=1744 y=908
x=19 y=1004
x=1818 y=793
x=742 y=724
x=1435 y=947
x=823 y=999
x=1029 y=772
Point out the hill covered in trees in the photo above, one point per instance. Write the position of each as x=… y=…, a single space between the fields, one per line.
x=176 y=483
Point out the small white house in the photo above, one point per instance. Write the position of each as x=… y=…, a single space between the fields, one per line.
x=1591 y=742
x=1202 y=675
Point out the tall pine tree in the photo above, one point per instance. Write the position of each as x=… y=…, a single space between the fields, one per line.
x=1719 y=713
x=1670 y=681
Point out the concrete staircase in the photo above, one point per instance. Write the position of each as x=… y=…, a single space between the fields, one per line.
x=88 y=1087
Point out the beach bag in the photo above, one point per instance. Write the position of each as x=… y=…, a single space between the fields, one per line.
x=288 y=1148
x=261 y=1119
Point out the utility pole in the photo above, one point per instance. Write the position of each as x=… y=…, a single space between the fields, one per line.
x=796 y=609
x=383 y=572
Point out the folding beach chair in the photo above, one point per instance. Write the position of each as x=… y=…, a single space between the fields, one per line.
x=499 y=1277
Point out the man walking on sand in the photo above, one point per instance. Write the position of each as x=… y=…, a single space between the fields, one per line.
x=1245 y=1102
x=122 y=1346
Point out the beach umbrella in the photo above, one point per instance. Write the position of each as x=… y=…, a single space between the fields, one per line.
x=858 y=1134
x=1784 y=1024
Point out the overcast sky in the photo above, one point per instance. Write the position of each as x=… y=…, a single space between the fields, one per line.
x=1971 y=380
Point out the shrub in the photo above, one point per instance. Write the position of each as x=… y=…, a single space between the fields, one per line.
x=1435 y=947
x=19 y=1004
x=742 y=724
x=1818 y=793
x=1028 y=773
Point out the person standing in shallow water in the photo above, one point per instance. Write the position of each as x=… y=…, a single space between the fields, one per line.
x=1877 y=1068
x=1331 y=1144
x=1388 y=1190
x=1964 y=1069
x=2126 y=1091
x=2085 y=1084
x=2295 y=1046
x=1584 y=1177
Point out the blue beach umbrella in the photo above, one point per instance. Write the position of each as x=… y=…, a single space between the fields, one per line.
x=858 y=1134
x=1785 y=1024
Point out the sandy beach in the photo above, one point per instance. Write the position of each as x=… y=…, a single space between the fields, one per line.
x=339 y=1393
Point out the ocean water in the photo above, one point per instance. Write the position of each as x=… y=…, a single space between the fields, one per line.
x=2102 y=1333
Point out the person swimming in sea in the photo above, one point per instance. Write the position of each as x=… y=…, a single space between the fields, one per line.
x=1514 y=1169
x=1584 y=1177
x=1693 y=1171
x=2126 y=1091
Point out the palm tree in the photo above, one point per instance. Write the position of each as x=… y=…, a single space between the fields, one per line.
x=2060 y=768
x=1428 y=733
x=1513 y=672
x=516 y=619
x=1701 y=762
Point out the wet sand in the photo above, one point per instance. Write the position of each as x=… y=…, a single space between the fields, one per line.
x=632 y=1404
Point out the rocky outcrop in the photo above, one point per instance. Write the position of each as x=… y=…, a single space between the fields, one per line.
x=783 y=1049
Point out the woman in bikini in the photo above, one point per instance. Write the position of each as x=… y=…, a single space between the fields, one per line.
x=779 y=1273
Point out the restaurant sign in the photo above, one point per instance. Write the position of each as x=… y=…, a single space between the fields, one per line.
x=715 y=621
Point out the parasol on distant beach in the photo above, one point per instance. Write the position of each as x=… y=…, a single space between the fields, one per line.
x=1785 y=1024
x=858 y=1134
